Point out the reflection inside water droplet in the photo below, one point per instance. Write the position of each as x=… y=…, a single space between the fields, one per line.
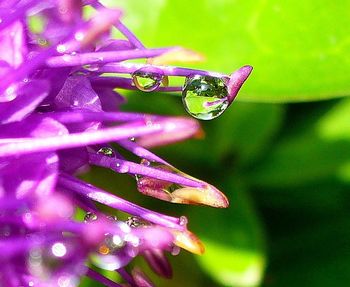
x=107 y=151
x=89 y=216
x=205 y=97
x=147 y=81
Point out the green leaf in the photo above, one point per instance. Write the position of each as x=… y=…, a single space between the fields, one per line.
x=313 y=253
x=243 y=133
x=299 y=50
x=234 y=241
x=315 y=149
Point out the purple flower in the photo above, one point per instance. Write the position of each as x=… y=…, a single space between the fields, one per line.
x=59 y=115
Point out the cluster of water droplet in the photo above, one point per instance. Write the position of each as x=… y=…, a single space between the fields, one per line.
x=116 y=250
x=204 y=97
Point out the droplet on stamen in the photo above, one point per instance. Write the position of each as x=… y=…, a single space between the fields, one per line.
x=134 y=221
x=107 y=151
x=147 y=81
x=205 y=97
x=89 y=217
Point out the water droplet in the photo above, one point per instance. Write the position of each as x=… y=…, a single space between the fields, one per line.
x=205 y=97
x=134 y=221
x=107 y=151
x=61 y=48
x=146 y=81
x=175 y=250
x=112 y=253
x=112 y=218
x=145 y=162
x=42 y=42
x=132 y=139
x=91 y=67
x=89 y=216
x=122 y=168
x=58 y=249
x=183 y=220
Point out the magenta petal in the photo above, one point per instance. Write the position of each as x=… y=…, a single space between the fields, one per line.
x=29 y=96
x=236 y=81
x=13 y=48
x=28 y=175
x=78 y=93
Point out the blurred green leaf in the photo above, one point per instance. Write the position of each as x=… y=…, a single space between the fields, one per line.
x=299 y=49
x=315 y=254
x=234 y=241
x=316 y=149
x=242 y=134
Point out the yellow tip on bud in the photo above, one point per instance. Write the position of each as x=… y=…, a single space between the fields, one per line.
x=188 y=241
x=176 y=55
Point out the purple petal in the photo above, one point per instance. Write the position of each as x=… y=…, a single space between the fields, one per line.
x=29 y=96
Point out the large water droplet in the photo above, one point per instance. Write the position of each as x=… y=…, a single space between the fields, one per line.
x=205 y=97
x=113 y=253
x=147 y=81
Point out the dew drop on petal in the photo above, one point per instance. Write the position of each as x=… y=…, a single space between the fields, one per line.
x=91 y=67
x=59 y=249
x=175 y=250
x=89 y=216
x=146 y=81
x=205 y=97
x=183 y=220
x=107 y=151
x=134 y=221
x=122 y=168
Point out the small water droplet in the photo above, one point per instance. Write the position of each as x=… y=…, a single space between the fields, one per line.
x=122 y=168
x=132 y=139
x=58 y=249
x=146 y=81
x=61 y=48
x=89 y=216
x=42 y=42
x=134 y=221
x=107 y=151
x=91 y=67
x=145 y=162
x=183 y=220
x=205 y=97
x=112 y=218
x=175 y=250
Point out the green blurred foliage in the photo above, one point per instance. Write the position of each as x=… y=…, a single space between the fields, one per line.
x=285 y=168
x=298 y=49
